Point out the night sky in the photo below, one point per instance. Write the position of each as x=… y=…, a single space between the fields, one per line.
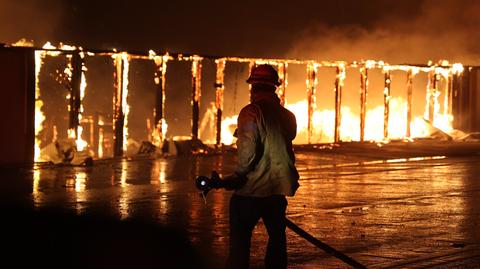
x=407 y=30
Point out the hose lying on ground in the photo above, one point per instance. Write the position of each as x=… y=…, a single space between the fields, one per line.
x=328 y=249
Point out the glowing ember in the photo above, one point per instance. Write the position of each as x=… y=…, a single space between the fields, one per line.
x=126 y=107
x=161 y=126
x=81 y=143
x=100 y=142
x=73 y=133
x=311 y=82
x=219 y=91
x=39 y=116
x=122 y=64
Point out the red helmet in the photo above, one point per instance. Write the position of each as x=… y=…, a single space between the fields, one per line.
x=264 y=74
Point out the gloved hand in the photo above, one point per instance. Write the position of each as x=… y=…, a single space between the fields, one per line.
x=215 y=180
x=230 y=182
x=205 y=184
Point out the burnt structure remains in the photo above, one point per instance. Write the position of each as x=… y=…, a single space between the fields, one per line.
x=21 y=98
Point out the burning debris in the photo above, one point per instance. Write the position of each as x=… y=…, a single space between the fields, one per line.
x=65 y=152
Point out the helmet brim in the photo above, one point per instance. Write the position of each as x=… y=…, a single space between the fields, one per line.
x=267 y=82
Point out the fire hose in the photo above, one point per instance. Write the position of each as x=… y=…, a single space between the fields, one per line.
x=328 y=249
x=205 y=184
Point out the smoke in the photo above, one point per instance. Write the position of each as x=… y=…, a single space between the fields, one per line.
x=442 y=29
x=436 y=30
x=35 y=20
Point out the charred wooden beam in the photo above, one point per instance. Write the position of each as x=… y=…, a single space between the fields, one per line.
x=338 y=100
x=311 y=89
x=196 y=94
x=282 y=73
x=409 y=101
x=75 y=96
x=101 y=140
x=160 y=88
x=447 y=105
x=95 y=132
x=219 y=89
x=458 y=86
x=91 y=127
x=386 y=102
x=432 y=94
x=251 y=65
x=118 y=113
x=363 y=100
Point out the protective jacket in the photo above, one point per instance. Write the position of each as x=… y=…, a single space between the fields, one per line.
x=265 y=131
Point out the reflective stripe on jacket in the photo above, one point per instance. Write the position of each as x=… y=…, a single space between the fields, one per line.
x=265 y=132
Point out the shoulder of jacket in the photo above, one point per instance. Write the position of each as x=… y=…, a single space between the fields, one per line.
x=290 y=113
x=250 y=109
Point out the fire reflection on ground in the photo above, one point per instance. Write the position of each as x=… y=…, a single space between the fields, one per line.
x=377 y=211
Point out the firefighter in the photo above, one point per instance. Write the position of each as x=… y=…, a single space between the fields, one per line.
x=265 y=173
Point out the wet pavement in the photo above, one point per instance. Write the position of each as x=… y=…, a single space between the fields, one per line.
x=395 y=213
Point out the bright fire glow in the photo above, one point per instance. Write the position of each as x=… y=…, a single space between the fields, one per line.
x=81 y=144
x=125 y=106
x=122 y=64
x=228 y=127
x=50 y=50
x=323 y=121
x=161 y=63
x=324 y=124
x=457 y=68
x=100 y=143
x=164 y=127
x=39 y=116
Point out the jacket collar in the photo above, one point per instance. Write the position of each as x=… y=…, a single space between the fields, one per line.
x=264 y=95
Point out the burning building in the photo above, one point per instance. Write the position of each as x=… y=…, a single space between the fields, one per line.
x=92 y=111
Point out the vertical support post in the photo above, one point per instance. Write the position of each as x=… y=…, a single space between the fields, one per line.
x=160 y=88
x=339 y=80
x=76 y=65
x=447 y=105
x=457 y=84
x=455 y=100
x=219 y=89
x=196 y=94
x=386 y=102
x=96 y=133
x=436 y=94
x=39 y=115
x=471 y=96
x=282 y=73
x=251 y=65
x=363 y=100
x=410 y=75
x=432 y=94
x=311 y=89
x=118 y=113
x=91 y=139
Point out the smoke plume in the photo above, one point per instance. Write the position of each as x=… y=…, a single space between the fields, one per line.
x=442 y=29
x=35 y=20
